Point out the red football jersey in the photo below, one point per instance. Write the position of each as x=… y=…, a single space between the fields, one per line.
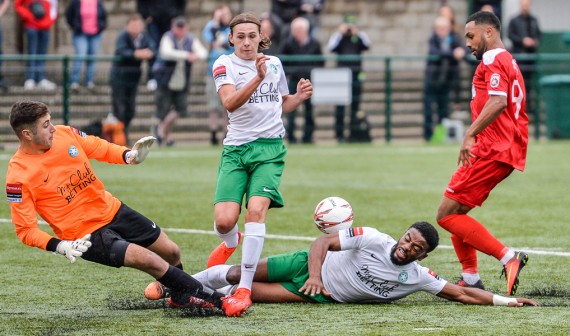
x=506 y=138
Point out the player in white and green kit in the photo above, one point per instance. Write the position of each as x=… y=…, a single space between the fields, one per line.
x=355 y=265
x=253 y=89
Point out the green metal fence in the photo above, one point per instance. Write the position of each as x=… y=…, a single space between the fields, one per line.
x=392 y=98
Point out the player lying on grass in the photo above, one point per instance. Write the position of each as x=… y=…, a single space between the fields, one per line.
x=356 y=265
x=51 y=175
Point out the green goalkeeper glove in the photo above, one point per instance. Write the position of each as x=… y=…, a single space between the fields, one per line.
x=140 y=150
x=73 y=249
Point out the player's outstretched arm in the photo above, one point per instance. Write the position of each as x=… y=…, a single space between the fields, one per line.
x=140 y=150
x=475 y=296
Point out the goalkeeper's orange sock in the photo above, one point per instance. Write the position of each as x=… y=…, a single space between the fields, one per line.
x=474 y=234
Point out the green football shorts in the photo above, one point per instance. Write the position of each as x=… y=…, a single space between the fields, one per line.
x=292 y=271
x=253 y=169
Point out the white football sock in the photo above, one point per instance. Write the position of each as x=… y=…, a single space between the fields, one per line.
x=214 y=277
x=228 y=290
x=231 y=238
x=471 y=278
x=508 y=256
x=254 y=235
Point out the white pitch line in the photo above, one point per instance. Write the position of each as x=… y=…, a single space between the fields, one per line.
x=304 y=238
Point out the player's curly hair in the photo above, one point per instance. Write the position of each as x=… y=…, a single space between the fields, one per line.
x=429 y=233
x=24 y=114
x=250 y=17
x=484 y=17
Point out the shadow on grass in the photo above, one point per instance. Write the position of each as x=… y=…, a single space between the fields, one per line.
x=125 y=303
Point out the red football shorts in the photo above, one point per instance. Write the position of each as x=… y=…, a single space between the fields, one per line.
x=471 y=185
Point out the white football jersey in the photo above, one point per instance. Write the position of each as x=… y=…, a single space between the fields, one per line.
x=260 y=116
x=362 y=271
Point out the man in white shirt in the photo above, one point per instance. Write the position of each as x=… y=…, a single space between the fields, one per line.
x=177 y=51
x=356 y=265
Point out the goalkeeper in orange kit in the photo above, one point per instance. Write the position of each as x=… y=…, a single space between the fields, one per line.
x=51 y=175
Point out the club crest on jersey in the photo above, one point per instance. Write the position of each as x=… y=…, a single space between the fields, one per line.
x=403 y=276
x=273 y=68
x=73 y=152
x=495 y=80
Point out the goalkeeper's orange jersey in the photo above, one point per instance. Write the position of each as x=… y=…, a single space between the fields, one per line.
x=61 y=186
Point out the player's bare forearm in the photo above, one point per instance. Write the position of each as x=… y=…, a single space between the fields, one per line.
x=290 y=103
x=233 y=99
x=475 y=296
x=491 y=111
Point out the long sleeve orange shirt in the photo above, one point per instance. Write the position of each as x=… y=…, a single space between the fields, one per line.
x=61 y=186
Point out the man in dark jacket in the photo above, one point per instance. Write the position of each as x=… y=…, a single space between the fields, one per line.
x=442 y=73
x=301 y=43
x=133 y=47
x=524 y=33
x=158 y=15
x=350 y=41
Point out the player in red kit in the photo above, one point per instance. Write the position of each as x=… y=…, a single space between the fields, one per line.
x=494 y=145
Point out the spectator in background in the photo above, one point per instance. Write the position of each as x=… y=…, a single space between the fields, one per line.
x=4 y=4
x=38 y=16
x=448 y=12
x=177 y=51
x=282 y=13
x=524 y=32
x=271 y=30
x=311 y=10
x=442 y=73
x=133 y=46
x=348 y=40
x=301 y=43
x=87 y=20
x=158 y=15
x=491 y=6
x=215 y=34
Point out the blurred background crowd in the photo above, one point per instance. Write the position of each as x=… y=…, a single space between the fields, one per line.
x=120 y=68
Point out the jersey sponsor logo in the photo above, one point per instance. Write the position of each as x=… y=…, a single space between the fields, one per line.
x=432 y=273
x=242 y=73
x=495 y=80
x=219 y=72
x=47 y=177
x=14 y=192
x=80 y=180
x=382 y=287
x=403 y=276
x=78 y=132
x=73 y=152
x=353 y=232
x=267 y=92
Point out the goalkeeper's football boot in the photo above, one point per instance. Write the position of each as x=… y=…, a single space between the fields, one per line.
x=156 y=291
x=193 y=302
x=237 y=304
x=221 y=253
x=512 y=269
x=479 y=284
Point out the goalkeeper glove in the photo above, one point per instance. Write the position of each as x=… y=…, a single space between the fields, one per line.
x=74 y=249
x=140 y=150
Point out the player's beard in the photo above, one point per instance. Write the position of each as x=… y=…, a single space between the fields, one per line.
x=394 y=260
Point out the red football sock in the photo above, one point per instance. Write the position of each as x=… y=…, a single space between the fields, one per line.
x=474 y=234
x=466 y=254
